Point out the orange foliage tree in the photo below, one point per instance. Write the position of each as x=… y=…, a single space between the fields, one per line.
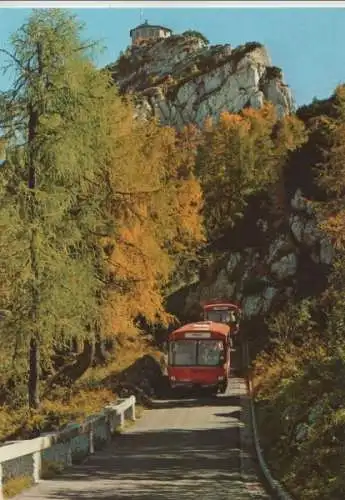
x=329 y=141
x=155 y=202
x=242 y=155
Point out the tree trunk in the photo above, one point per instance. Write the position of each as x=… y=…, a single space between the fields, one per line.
x=68 y=374
x=34 y=354
x=34 y=111
x=101 y=354
x=75 y=345
x=34 y=361
x=34 y=366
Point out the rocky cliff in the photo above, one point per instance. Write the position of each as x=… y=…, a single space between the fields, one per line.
x=277 y=264
x=182 y=79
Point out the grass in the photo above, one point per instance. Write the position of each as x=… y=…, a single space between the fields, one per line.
x=16 y=485
x=51 y=469
x=88 y=396
x=129 y=351
x=63 y=406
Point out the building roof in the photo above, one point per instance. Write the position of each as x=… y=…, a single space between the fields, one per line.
x=147 y=25
x=203 y=326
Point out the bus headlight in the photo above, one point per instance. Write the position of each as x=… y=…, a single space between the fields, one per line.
x=172 y=377
x=220 y=378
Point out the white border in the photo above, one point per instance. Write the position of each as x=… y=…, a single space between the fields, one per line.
x=178 y=4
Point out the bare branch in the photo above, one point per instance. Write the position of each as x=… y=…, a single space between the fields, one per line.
x=4 y=51
x=87 y=46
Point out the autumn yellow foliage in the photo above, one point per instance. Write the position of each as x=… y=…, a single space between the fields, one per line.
x=241 y=156
x=156 y=202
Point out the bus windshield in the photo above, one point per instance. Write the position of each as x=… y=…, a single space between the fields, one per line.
x=196 y=353
x=219 y=316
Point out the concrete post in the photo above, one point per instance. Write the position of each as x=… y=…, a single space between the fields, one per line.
x=132 y=417
x=122 y=418
x=37 y=466
x=69 y=454
x=91 y=441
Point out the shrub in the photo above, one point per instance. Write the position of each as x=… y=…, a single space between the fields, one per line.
x=302 y=386
x=51 y=469
x=59 y=409
x=273 y=72
x=239 y=52
x=64 y=405
x=15 y=485
x=196 y=34
x=152 y=79
x=207 y=63
x=293 y=324
x=124 y=65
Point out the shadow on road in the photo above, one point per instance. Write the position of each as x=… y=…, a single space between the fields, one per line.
x=182 y=449
x=172 y=464
x=194 y=400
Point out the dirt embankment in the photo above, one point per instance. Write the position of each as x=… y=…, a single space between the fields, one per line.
x=145 y=379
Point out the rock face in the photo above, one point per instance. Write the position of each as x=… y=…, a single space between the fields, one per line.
x=182 y=80
x=258 y=276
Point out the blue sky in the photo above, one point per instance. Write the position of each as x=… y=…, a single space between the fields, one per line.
x=307 y=43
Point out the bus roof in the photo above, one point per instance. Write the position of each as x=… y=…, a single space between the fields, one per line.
x=211 y=304
x=203 y=326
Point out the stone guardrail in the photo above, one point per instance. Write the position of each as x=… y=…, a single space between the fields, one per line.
x=66 y=447
x=276 y=487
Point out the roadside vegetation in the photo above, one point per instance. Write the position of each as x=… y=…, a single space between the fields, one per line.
x=102 y=215
x=299 y=379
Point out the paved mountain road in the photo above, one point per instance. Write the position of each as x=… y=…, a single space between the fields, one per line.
x=181 y=449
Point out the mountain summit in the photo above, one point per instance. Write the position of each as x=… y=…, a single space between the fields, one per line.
x=182 y=79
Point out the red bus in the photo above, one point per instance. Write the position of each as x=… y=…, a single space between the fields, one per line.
x=199 y=356
x=223 y=311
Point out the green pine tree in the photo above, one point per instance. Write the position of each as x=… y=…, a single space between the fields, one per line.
x=55 y=121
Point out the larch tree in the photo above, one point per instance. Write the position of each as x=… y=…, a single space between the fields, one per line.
x=330 y=177
x=227 y=167
x=55 y=120
x=241 y=156
x=331 y=169
x=155 y=200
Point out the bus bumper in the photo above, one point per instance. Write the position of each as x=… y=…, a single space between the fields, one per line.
x=192 y=385
x=219 y=384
